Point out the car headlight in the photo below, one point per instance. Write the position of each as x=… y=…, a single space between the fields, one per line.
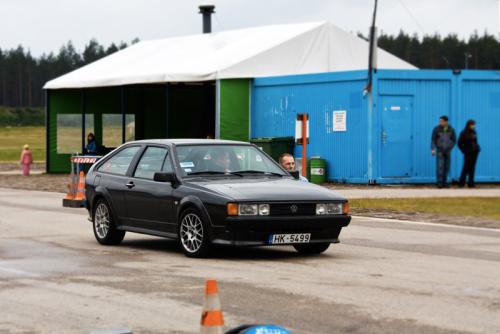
x=329 y=208
x=248 y=209
x=244 y=209
x=264 y=209
x=321 y=209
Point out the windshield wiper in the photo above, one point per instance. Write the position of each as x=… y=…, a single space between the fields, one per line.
x=207 y=172
x=242 y=172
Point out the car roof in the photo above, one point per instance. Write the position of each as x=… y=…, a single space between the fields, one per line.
x=185 y=141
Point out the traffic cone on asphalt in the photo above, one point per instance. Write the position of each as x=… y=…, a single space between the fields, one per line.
x=212 y=320
x=70 y=195
x=80 y=191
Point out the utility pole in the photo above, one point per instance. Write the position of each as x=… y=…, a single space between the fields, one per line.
x=368 y=91
x=373 y=48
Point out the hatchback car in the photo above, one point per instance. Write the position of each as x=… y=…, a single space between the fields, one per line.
x=206 y=192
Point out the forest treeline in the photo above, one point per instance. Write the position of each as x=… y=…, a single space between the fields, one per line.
x=448 y=52
x=22 y=76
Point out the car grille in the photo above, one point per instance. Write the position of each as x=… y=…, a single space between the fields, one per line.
x=293 y=209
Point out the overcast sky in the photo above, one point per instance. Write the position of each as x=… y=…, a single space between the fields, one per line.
x=44 y=25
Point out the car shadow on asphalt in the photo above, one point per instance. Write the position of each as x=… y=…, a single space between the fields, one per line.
x=226 y=252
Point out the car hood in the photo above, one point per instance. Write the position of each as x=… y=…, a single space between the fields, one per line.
x=266 y=189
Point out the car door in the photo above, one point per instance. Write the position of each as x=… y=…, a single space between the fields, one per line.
x=149 y=203
x=113 y=176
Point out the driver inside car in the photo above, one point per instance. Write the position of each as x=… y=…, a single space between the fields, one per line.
x=221 y=161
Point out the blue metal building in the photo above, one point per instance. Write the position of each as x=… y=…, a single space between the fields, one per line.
x=388 y=133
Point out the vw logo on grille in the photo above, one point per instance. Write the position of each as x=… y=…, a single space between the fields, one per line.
x=294 y=208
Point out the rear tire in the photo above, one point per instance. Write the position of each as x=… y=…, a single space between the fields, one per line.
x=194 y=234
x=312 y=248
x=104 y=227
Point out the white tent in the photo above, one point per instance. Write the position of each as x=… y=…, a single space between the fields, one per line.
x=245 y=53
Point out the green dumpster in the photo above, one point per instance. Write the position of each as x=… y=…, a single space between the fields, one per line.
x=275 y=146
x=316 y=170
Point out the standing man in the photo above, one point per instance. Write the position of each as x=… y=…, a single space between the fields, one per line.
x=443 y=140
x=288 y=163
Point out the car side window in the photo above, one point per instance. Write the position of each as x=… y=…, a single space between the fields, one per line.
x=153 y=160
x=119 y=163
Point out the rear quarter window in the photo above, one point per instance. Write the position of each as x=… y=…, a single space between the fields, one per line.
x=119 y=163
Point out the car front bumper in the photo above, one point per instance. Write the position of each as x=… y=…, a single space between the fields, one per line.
x=255 y=231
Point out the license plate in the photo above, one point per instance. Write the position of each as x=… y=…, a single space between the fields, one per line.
x=298 y=238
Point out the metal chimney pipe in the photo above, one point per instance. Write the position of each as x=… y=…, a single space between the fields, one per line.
x=206 y=11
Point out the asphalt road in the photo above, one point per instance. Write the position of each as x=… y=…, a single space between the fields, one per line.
x=385 y=277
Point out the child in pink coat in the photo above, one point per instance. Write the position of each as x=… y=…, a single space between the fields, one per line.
x=26 y=160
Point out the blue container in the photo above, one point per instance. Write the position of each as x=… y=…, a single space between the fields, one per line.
x=388 y=132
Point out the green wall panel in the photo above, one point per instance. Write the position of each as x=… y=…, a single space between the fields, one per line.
x=66 y=101
x=234 y=99
x=98 y=101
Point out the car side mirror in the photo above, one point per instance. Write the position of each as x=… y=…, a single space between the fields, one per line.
x=164 y=177
x=295 y=174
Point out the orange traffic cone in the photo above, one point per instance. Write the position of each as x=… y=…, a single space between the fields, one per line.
x=212 y=320
x=80 y=191
x=70 y=195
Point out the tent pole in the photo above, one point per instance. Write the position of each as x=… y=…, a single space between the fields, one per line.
x=123 y=107
x=217 y=109
x=82 y=107
x=47 y=129
x=167 y=108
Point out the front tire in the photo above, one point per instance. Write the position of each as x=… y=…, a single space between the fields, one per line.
x=194 y=234
x=312 y=248
x=105 y=230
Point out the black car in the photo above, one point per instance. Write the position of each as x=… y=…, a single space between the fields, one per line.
x=205 y=192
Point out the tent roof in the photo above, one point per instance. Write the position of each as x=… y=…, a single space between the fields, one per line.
x=245 y=53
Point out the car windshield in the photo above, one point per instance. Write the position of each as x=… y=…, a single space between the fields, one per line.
x=237 y=160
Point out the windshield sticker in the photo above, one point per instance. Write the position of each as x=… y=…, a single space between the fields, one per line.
x=187 y=170
x=258 y=158
x=187 y=164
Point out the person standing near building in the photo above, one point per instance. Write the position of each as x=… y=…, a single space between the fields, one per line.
x=442 y=142
x=287 y=161
x=26 y=160
x=467 y=143
x=91 y=147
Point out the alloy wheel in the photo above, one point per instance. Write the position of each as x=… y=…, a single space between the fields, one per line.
x=101 y=220
x=191 y=232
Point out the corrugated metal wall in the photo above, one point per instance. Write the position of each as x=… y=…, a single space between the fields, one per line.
x=479 y=98
x=276 y=102
x=432 y=97
x=358 y=155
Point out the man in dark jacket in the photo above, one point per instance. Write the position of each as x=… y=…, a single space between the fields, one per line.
x=443 y=140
